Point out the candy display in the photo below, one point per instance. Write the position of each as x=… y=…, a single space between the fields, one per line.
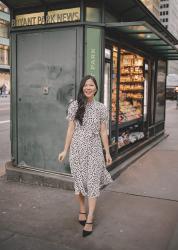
x=130 y=98
x=131 y=87
x=126 y=138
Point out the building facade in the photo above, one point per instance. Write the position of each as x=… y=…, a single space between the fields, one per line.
x=169 y=17
x=153 y=6
x=164 y=12
x=4 y=47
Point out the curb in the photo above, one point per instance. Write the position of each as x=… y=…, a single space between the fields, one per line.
x=40 y=177
x=123 y=166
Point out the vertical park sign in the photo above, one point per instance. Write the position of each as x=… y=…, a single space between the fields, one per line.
x=93 y=55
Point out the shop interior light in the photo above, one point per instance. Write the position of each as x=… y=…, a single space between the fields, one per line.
x=115 y=48
x=107 y=53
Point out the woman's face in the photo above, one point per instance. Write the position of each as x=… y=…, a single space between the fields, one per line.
x=89 y=89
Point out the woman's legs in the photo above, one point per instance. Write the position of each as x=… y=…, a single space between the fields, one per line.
x=91 y=206
x=82 y=209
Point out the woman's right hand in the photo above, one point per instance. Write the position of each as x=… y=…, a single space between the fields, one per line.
x=62 y=156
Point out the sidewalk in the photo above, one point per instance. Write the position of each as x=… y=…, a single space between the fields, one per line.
x=138 y=211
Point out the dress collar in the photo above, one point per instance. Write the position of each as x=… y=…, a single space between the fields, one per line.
x=90 y=103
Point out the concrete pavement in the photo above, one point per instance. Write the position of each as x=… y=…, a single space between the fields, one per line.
x=138 y=211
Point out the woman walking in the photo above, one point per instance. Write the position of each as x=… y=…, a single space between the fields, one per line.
x=86 y=129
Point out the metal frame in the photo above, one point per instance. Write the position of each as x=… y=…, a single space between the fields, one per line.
x=156 y=85
x=150 y=29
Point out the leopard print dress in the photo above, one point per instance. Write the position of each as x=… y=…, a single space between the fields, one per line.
x=86 y=157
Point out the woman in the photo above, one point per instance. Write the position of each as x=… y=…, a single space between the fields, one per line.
x=86 y=128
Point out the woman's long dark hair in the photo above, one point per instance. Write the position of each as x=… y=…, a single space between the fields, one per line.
x=82 y=99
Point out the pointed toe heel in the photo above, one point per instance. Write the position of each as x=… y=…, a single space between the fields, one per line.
x=82 y=222
x=85 y=232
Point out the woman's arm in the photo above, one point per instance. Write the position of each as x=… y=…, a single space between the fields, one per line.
x=104 y=138
x=70 y=131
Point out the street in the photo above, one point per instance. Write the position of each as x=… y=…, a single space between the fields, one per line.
x=138 y=211
x=4 y=132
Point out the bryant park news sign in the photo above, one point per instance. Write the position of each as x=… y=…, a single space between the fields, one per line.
x=53 y=16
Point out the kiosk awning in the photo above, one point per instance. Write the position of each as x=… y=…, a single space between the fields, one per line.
x=144 y=34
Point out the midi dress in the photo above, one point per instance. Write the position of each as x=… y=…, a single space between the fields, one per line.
x=86 y=158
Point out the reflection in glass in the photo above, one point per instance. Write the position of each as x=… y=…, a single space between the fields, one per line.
x=93 y=14
x=160 y=91
x=131 y=87
x=107 y=88
x=4 y=29
x=4 y=55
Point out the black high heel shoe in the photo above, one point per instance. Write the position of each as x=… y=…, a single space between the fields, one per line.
x=82 y=222
x=85 y=232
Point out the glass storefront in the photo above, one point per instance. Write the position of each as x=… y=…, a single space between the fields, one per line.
x=129 y=97
x=160 y=91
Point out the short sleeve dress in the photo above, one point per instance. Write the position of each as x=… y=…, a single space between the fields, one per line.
x=86 y=157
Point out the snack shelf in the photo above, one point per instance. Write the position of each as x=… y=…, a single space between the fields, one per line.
x=129 y=123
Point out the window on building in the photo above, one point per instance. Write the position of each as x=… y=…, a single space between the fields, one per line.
x=3 y=8
x=4 y=55
x=4 y=29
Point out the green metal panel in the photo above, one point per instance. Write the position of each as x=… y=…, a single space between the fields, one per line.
x=93 y=46
x=46 y=78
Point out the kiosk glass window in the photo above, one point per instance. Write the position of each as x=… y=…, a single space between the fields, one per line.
x=160 y=91
x=131 y=87
x=131 y=98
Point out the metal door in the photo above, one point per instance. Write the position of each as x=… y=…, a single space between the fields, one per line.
x=46 y=73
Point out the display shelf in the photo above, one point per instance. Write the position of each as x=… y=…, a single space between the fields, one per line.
x=131 y=73
x=135 y=98
x=130 y=90
x=131 y=82
x=129 y=123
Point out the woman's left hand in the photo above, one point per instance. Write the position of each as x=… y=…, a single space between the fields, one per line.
x=108 y=158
